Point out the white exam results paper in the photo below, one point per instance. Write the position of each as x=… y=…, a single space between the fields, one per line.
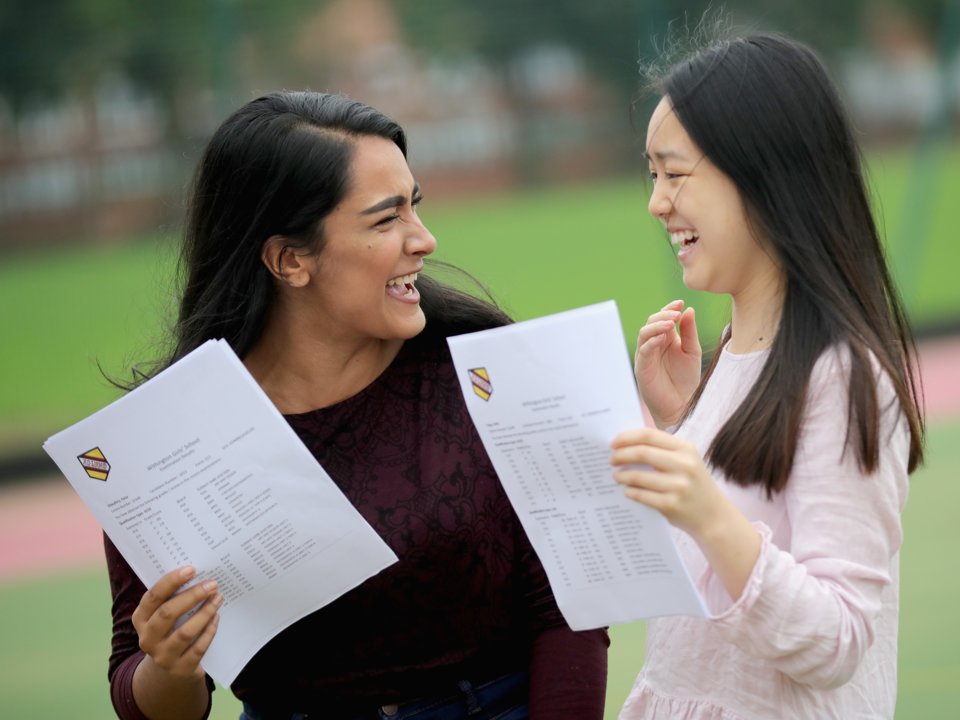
x=547 y=397
x=197 y=466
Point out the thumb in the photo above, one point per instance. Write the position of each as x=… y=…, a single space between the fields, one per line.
x=689 y=340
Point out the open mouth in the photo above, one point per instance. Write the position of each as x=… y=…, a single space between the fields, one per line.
x=684 y=238
x=402 y=286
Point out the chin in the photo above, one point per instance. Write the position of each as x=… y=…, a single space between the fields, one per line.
x=412 y=327
x=692 y=284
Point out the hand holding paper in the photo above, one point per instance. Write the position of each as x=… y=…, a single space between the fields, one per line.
x=197 y=467
x=167 y=603
x=548 y=396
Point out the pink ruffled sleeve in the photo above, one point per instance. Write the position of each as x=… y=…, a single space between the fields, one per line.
x=811 y=609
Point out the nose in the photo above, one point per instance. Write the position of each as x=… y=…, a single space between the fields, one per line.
x=660 y=201
x=420 y=241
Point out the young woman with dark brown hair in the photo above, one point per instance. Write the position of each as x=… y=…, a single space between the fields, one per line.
x=786 y=463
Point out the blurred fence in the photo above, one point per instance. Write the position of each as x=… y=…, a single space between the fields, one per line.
x=108 y=158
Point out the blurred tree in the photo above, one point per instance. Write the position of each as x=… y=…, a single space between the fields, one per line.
x=611 y=34
x=53 y=47
x=605 y=33
x=49 y=47
x=36 y=50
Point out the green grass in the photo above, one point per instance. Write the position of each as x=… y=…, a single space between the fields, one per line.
x=540 y=252
x=63 y=312
x=56 y=630
x=53 y=659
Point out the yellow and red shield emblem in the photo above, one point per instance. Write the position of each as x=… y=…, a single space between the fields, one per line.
x=95 y=464
x=480 y=379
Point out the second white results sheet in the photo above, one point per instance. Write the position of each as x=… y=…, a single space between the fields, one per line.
x=547 y=397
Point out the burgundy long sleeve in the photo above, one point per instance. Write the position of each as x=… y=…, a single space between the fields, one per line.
x=468 y=598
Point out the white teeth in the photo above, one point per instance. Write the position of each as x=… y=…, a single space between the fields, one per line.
x=683 y=237
x=402 y=280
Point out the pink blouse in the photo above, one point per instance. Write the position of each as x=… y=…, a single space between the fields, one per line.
x=814 y=633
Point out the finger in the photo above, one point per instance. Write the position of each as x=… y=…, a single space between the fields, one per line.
x=191 y=628
x=661 y=502
x=645 y=480
x=637 y=436
x=180 y=639
x=161 y=591
x=672 y=315
x=689 y=339
x=684 y=461
x=164 y=618
x=657 y=325
x=670 y=311
x=191 y=598
x=194 y=654
x=641 y=455
x=659 y=333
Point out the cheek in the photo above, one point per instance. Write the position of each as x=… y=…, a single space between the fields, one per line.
x=729 y=223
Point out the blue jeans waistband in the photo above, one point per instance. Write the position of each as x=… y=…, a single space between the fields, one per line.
x=504 y=698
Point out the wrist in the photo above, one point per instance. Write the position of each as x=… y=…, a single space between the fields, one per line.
x=159 y=693
x=731 y=545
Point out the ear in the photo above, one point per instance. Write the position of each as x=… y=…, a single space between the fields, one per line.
x=284 y=262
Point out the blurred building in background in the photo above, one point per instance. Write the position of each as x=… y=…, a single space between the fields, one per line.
x=493 y=95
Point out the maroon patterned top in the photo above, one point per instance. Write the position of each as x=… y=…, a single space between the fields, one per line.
x=468 y=598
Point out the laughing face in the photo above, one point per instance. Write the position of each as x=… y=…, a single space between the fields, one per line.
x=364 y=280
x=701 y=209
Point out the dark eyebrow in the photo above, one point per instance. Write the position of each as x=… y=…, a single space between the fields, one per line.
x=390 y=202
x=662 y=155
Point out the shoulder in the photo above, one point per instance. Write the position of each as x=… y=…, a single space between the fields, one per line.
x=839 y=382
x=424 y=370
x=835 y=369
x=831 y=369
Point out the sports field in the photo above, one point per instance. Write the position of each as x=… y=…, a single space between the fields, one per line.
x=541 y=252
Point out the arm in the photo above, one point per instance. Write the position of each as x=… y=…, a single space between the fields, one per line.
x=568 y=670
x=568 y=674
x=810 y=608
x=813 y=611
x=667 y=362
x=166 y=680
x=666 y=473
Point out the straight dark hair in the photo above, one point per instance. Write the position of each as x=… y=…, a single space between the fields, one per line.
x=278 y=166
x=763 y=109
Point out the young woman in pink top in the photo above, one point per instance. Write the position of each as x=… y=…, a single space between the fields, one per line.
x=785 y=463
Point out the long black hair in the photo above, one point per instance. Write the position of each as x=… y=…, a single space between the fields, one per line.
x=763 y=109
x=278 y=166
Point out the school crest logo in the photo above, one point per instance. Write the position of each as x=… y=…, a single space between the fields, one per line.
x=480 y=379
x=95 y=464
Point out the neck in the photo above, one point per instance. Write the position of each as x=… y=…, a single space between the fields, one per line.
x=300 y=373
x=755 y=318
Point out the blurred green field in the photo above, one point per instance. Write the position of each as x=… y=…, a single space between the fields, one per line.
x=540 y=252
x=56 y=631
